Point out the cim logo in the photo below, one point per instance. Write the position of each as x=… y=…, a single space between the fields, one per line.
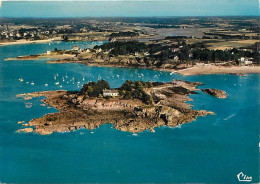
x=244 y=178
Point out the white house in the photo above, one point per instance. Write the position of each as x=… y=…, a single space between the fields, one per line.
x=110 y=93
x=176 y=58
x=48 y=52
x=246 y=61
x=88 y=51
x=76 y=48
x=99 y=50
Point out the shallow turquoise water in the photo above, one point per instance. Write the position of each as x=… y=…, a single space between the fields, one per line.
x=212 y=149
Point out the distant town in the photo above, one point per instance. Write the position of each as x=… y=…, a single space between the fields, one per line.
x=157 y=43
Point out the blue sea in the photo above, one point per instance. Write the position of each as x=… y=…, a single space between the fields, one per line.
x=212 y=149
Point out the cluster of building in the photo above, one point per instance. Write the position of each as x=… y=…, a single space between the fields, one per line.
x=17 y=34
x=246 y=61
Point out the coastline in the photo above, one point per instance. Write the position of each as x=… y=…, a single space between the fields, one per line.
x=212 y=69
x=194 y=70
x=91 y=59
x=29 y=42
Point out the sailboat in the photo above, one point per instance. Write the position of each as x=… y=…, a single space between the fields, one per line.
x=28 y=105
x=99 y=77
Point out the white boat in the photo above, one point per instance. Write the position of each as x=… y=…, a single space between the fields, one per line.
x=32 y=83
x=28 y=105
x=21 y=79
x=46 y=84
x=57 y=83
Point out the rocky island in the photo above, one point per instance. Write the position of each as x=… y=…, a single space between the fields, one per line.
x=215 y=92
x=134 y=107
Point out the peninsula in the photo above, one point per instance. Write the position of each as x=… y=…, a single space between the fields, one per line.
x=212 y=45
x=134 y=107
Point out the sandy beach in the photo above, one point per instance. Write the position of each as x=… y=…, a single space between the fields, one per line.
x=23 y=41
x=212 y=69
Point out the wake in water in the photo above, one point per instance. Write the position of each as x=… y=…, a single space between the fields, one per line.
x=232 y=115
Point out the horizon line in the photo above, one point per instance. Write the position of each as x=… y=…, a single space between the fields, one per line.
x=137 y=16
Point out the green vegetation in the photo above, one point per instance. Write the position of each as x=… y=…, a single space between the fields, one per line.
x=124 y=34
x=159 y=54
x=123 y=48
x=135 y=90
x=128 y=90
x=94 y=89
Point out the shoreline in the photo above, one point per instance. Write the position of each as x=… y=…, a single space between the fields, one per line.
x=194 y=70
x=19 y=42
x=199 y=69
x=211 y=69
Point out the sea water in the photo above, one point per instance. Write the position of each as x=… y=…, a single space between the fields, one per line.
x=212 y=149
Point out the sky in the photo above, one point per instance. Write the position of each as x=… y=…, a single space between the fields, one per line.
x=129 y=8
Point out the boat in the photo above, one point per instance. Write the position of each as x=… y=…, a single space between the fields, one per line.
x=21 y=79
x=32 y=83
x=46 y=84
x=57 y=83
x=28 y=105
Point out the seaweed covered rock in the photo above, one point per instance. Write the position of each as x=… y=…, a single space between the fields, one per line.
x=215 y=92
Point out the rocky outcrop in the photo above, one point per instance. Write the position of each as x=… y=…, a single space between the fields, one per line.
x=215 y=92
x=26 y=130
x=77 y=111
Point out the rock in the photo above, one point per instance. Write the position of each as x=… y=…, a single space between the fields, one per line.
x=27 y=98
x=77 y=111
x=215 y=92
x=26 y=130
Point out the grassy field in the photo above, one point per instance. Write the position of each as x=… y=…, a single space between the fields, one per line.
x=220 y=44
